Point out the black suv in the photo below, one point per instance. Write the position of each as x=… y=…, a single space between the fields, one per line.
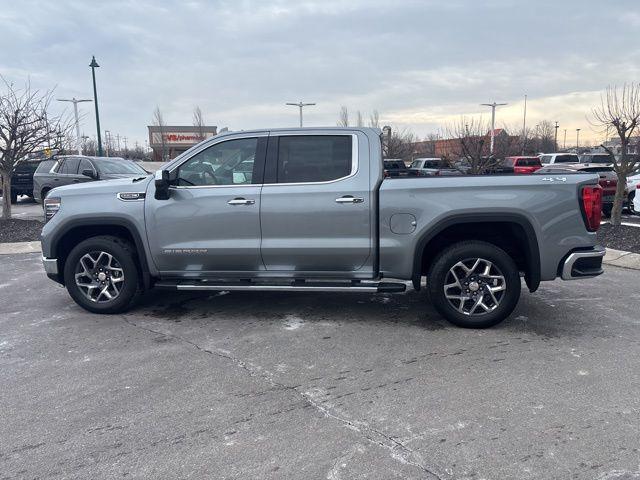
x=76 y=169
x=22 y=178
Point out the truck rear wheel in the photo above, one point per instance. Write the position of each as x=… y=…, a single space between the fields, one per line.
x=101 y=275
x=474 y=284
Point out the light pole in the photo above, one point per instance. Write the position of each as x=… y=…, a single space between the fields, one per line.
x=493 y=121
x=564 y=145
x=555 y=138
x=300 y=105
x=75 y=113
x=524 y=126
x=107 y=140
x=577 y=139
x=93 y=66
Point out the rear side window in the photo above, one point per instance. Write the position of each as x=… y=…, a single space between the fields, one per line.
x=70 y=166
x=545 y=159
x=528 y=162
x=314 y=158
x=45 y=166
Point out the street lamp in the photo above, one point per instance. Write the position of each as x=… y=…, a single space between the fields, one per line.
x=555 y=138
x=93 y=66
x=300 y=105
x=493 y=121
x=75 y=113
x=577 y=139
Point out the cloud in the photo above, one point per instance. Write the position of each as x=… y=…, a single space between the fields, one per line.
x=420 y=63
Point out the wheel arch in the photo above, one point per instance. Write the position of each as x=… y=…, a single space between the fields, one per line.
x=499 y=229
x=76 y=231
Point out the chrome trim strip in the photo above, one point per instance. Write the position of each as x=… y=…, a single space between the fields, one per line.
x=571 y=260
x=354 y=162
x=50 y=265
x=274 y=288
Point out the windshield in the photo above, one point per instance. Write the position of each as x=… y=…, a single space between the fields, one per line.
x=602 y=158
x=566 y=159
x=119 y=167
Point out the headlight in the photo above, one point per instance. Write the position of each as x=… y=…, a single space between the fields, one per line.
x=51 y=207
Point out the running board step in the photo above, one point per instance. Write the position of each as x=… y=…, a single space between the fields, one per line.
x=299 y=286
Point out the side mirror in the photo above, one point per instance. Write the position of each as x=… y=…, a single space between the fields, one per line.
x=87 y=172
x=162 y=183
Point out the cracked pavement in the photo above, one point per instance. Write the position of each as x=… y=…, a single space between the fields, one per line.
x=336 y=386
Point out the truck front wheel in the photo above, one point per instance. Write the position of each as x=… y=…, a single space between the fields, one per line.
x=100 y=274
x=474 y=284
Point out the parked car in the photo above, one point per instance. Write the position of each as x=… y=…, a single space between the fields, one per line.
x=318 y=215
x=22 y=178
x=607 y=179
x=636 y=199
x=633 y=181
x=602 y=158
x=425 y=167
x=521 y=165
x=76 y=169
x=395 y=167
x=552 y=158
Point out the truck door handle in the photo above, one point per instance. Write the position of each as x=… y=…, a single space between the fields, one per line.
x=349 y=199
x=241 y=201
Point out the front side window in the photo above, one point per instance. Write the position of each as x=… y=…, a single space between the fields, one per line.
x=85 y=165
x=314 y=158
x=70 y=166
x=225 y=163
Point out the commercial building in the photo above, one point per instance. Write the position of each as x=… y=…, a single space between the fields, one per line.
x=167 y=142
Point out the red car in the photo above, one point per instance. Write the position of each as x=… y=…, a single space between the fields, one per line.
x=522 y=164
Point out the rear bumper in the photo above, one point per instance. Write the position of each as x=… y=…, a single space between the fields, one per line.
x=583 y=264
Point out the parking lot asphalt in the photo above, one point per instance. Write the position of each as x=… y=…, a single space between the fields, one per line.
x=318 y=386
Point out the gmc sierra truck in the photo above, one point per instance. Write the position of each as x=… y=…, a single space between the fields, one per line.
x=310 y=210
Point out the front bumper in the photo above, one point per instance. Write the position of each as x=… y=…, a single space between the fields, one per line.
x=51 y=269
x=583 y=264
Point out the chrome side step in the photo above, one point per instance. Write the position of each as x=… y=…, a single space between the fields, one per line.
x=295 y=286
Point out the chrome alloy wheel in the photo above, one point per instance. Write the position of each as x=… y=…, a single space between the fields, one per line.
x=99 y=276
x=474 y=286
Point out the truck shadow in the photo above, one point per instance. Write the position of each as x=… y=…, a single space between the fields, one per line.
x=412 y=308
x=408 y=308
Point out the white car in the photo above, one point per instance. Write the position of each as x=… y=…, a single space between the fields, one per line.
x=552 y=158
x=633 y=197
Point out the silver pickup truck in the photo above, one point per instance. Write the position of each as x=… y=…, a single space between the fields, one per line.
x=310 y=210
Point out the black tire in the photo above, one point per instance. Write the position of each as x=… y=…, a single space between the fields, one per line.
x=14 y=198
x=467 y=252
x=606 y=211
x=124 y=258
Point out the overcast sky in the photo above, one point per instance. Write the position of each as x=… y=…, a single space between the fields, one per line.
x=421 y=64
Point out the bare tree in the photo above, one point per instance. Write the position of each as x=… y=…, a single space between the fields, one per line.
x=25 y=128
x=158 y=121
x=399 y=144
x=359 y=119
x=620 y=109
x=469 y=139
x=374 y=119
x=343 y=118
x=198 y=122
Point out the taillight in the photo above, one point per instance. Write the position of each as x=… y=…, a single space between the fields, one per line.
x=592 y=206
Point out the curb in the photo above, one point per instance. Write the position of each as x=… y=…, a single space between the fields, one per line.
x=20 y=247
x=616 y=258
x=620 y=258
